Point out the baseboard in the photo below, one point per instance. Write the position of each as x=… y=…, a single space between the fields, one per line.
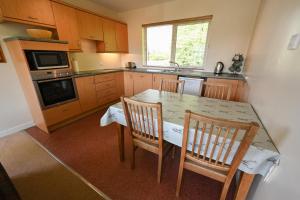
x=16 y=128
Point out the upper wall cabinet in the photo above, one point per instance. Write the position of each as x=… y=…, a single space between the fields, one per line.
x=90 y=26
x=66 y=25
x=115 y=37
x=28 y=11
x=122 y=37
x=109 y=31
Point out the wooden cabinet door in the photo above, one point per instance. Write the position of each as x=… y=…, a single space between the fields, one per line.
x=90 y=26
x=66 y=24
x=11 y=9
x=119 y=77
x=61 y=113
x=86 y=92
x=141 y=82
x=157 y=78
x=38 y=11
x=128 y=84
x=109 y=31
x=122 y=37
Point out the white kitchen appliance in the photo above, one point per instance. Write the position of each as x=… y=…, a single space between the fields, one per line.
x=192 y=86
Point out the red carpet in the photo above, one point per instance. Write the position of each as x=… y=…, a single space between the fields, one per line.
x=92 y=151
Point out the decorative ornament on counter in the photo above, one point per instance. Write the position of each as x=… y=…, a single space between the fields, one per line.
x=238 y=60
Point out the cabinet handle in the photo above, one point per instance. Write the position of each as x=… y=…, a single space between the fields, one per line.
x=64 y=110
x=32 y=18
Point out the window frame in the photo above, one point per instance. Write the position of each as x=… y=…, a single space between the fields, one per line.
x=175 y=24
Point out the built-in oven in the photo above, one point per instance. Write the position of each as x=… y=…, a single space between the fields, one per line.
x=45 y=60
x=52 y=92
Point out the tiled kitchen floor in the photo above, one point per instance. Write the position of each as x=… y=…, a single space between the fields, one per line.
x=92 y=151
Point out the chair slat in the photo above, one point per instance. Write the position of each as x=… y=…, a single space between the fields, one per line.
x=222 y=145
x=195 y=137
x=230 y=146
x=208 y=141
x=215 y=143
x=201 y=139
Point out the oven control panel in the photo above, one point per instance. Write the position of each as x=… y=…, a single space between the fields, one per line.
x=50 y=74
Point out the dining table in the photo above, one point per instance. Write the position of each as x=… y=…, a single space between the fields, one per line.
x=261 y=158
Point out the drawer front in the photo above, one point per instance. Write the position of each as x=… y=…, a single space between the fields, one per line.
x=106 y=85
x=60 y=113
x=104 y=77
x=105 y=93
x=106 y=99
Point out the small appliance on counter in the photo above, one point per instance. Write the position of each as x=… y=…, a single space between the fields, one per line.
x=130 y=65
x=219 y=68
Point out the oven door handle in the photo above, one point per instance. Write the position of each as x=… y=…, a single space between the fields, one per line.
x=55 y=79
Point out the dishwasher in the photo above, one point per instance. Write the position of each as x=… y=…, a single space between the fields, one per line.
x=192 y=86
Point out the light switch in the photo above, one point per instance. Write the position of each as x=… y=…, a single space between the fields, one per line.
x=294 y=42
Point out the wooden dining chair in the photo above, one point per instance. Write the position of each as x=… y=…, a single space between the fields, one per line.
x=144 y=121
x=212 y=144
x=217 y=90
x=171 y=85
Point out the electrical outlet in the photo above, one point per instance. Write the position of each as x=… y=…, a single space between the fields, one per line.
x=294 y=42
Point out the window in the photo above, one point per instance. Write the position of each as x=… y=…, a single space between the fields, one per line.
x=183 y=42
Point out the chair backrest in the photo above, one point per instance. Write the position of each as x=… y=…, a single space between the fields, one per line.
x=144 y=120
x=217 y=90
x=171 y=85
x=211 y=141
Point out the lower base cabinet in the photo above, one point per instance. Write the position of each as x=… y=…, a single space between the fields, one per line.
x=86 y=93
x=60 y=113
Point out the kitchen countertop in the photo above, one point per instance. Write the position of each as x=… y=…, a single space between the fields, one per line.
x=186 y=73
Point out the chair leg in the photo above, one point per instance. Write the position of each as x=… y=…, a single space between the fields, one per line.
x=179 y=179
x=173 y=152
x=225 y=190
x=160 y=159
x=133 y=157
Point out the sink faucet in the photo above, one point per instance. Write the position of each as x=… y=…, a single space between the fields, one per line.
x=176 y=64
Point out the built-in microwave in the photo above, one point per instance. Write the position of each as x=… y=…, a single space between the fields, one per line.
x=45 y=60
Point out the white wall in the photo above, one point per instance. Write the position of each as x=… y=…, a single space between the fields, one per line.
x=274 y=79
x=230 y=31
x=14 y=111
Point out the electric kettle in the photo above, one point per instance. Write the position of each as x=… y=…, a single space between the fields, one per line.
x=219 y=68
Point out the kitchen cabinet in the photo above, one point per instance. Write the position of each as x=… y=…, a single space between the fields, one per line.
x=66 y=24
x=109 y=31
x=28 y=11
x=90 y=26
x=115 y=37
x=122 y=37
x=128 y=84
x=109 y=87
x=141 y=82
x=86 y=92
x=158 y=77
x=61 y=113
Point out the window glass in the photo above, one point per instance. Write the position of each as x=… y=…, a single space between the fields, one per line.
x=159 y=42
x=191 y=44
x=183 y=43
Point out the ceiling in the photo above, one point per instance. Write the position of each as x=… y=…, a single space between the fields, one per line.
x=125 y=5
